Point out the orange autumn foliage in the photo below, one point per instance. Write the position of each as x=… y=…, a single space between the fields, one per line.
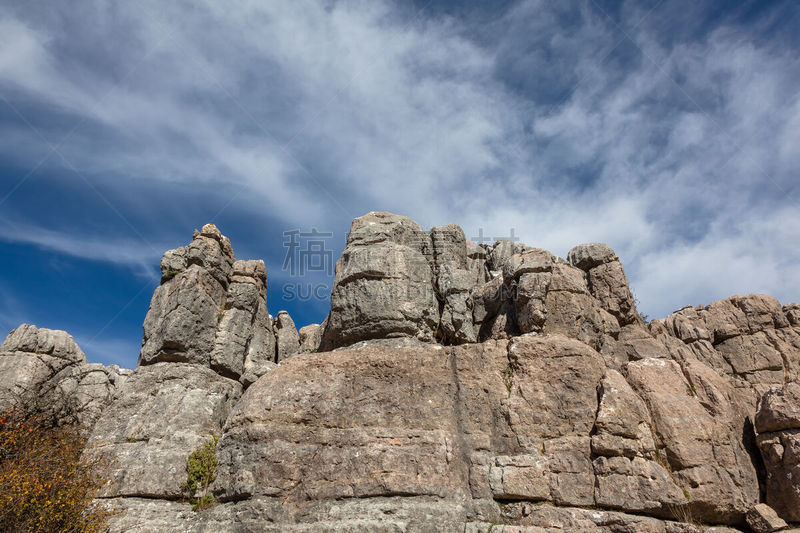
x=45 y=485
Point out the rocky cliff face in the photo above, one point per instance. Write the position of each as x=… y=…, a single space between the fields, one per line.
x=453 y=387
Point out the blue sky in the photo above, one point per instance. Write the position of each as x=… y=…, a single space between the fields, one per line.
x=670 y=130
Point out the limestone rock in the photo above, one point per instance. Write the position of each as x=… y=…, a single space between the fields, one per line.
x=42 y=341
x=182 y=320
x=699 y=422
x=213 y=252
x=636 y=485
x=623 y=426
x=449 y=247
x=78 y=394
x=531 y=518
x=161 y=414
x=551 y=409
x=589 y=256
x=606 y=279
x=779 y=409
x=476 y=263
x=383 y=285
x=286 y=335
x=551 y=296
x=502 y=251
x=148 y=515
x=355 y=423
x=763 y=519
x=210 y=310
x=778 y=428
x=748 y=337
x=310 y=338
x=493 y=314
x=455 y=286
x=30 y=357
x=454 y=282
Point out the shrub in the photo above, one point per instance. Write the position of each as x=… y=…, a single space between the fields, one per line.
x=201 y=471
x=45 y=485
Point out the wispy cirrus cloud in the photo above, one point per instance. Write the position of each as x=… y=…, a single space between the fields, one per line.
x=669 y=131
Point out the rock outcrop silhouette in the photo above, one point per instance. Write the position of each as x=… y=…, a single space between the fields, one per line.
x=452 y=387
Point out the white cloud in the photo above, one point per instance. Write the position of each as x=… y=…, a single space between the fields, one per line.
x=675 y=155
x=141 y=257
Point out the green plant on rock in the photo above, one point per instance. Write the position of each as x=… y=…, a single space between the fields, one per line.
x=201 y=471
x=508 y=377
x=171 y=273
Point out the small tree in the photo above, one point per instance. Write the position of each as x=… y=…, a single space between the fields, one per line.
x=45 y=484
x=201 y=471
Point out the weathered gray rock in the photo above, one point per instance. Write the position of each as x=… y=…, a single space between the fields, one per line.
x=606 y=280
x=310 y=338
x=42 y=341
x=212 y=251
x=779 y=409
x=571 y=414
x=181 y=323
x=493 y=313
x=384 y=284
x=778 y=439
x=699 y=422
x=524 y=517
x=286 y=336
x=30 y=357
x=551 y=296
x=454 y=281
x=763 y=519
x=148 y=515
x=303 y=434
x=78 y=394
x=747 y=337
x=455 y=285
x=589 y=256
x=161 y=414
x=449 y=246
x=210 y=310
x=502 y=251
x=623 y=426
x=476 y=263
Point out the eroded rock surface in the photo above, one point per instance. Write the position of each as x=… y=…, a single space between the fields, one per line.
x=453 y=387
x=778 y=427
x=45 y=372
x=384 y=283
x=210 y=310
x=161 y=414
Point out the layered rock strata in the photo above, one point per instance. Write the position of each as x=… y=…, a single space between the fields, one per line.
x=452 y=387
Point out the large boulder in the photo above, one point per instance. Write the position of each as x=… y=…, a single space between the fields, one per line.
x=778 y=427
x=699 y=420
x=161 y=414
x=357 y=423
x=210 y=310
x=550 y=296
x=606 y=279
x=310 y=337
x=384 y=283
x=286 y=336
x=454 y=282
x=747 y=337
x=29 y=357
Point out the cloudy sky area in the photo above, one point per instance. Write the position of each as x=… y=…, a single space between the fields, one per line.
x=669 y=130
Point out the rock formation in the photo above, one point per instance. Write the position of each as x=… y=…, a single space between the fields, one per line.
x=452 y=387
x=45 y=371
